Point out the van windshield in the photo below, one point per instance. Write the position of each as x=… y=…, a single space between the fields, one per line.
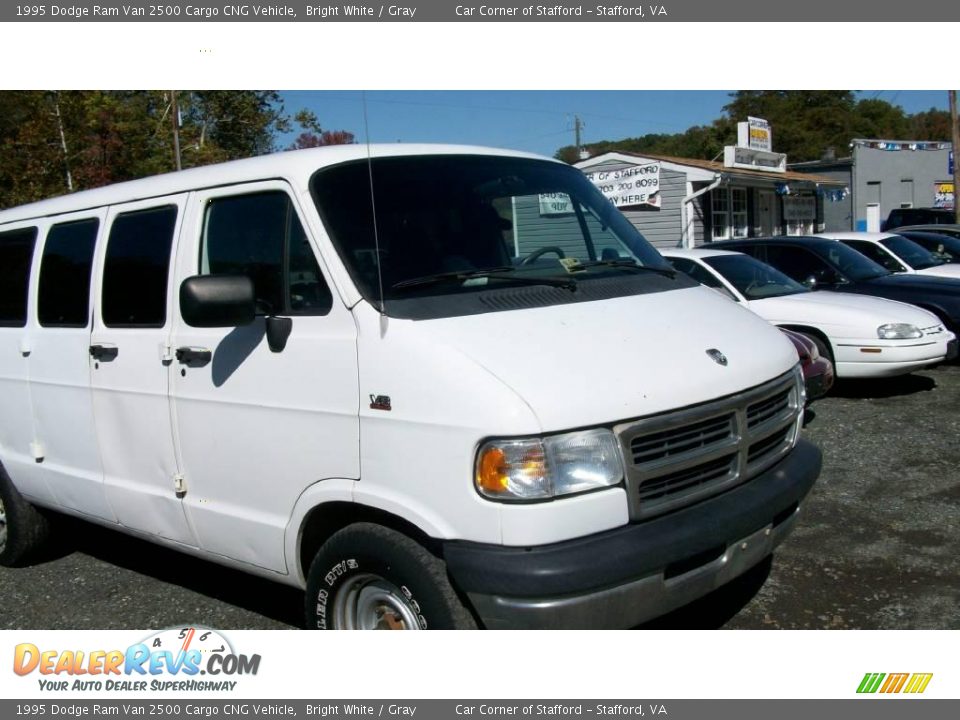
x=465 y=224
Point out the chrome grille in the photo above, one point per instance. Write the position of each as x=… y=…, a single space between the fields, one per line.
x=669 y=443
x=681 y=457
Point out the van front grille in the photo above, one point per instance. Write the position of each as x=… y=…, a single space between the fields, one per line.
x=679 y=458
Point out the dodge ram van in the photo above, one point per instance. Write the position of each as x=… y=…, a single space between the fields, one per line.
x=434 y=386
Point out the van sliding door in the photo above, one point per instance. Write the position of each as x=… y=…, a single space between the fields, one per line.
x=130 y=364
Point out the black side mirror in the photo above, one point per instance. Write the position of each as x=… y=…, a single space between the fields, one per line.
x=278 y=331
x=216 y=301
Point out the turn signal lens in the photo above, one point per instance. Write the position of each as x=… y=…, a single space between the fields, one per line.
x=492 y=471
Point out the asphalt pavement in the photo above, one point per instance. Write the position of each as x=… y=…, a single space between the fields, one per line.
x=877 y=544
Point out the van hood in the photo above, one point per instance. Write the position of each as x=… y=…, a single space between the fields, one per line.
x=598 y=363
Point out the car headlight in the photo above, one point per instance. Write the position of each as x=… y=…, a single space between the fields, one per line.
x=898 y=331
x=800 y=389
x=547 y=467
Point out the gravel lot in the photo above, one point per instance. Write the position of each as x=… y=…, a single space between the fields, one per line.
x=876 y=545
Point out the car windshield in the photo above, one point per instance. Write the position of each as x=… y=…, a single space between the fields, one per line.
x=753 y=279
x=917 y=257
x=849 y=262
x=465 y=223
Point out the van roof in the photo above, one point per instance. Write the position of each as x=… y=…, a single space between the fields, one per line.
x=296 y=165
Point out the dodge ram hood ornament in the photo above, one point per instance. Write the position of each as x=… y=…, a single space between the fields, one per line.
x=718 y=357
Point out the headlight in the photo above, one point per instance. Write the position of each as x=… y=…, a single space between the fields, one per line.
x=898 y=331
x=800 y=388
x=544 y=468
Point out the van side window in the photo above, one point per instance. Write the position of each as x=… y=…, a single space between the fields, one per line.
x=260 y=235
x=64 y=293
x=136 y=268
x=16 y=255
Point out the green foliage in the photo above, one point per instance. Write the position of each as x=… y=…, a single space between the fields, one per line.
x=806 y=123
x=52 y=142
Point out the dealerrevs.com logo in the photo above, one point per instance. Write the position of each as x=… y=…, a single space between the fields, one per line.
x=911 y=683
x=178 y=659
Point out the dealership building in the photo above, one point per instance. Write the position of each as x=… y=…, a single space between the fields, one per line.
x=686 y=202
x=883 y=175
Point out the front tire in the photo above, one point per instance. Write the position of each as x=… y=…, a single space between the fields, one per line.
x=369 y=577
x=23 y=529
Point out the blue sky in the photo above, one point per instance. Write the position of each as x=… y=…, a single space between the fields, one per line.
x=537 y=121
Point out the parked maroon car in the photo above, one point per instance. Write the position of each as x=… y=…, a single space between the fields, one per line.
x=817 y=370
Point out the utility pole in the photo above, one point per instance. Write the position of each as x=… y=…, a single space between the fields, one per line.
x=955 y=141
x=175 y=115
x=577 y=127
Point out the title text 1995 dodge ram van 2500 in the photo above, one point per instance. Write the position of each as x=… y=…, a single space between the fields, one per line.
x=437 y=387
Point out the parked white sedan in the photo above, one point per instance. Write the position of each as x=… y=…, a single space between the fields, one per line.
x=863 y=336
x=896 y=253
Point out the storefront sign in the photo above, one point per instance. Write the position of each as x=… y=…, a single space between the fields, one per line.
x=740 y=157
x=799 y=207
x=943 y=195
x=755 y=134
x=625 y=187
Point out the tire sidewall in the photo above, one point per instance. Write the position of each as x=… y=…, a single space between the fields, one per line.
x=345 y=557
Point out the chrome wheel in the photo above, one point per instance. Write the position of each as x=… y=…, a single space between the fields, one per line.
x=368 y=602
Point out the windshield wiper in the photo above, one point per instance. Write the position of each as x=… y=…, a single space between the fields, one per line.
x=631 y=265
x=498 y=273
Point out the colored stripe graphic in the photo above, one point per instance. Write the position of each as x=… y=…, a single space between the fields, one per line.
x=894 y=683
x=870 y=682
x=918 y=683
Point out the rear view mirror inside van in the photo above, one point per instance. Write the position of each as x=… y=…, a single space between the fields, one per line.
x=210 y=301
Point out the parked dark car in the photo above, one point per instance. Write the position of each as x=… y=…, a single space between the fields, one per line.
x=917 y=216
x=817 y=370
x=946 y=246
x=831 y=265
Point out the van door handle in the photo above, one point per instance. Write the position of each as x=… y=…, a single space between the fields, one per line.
x=195 y=357
x=104 y=353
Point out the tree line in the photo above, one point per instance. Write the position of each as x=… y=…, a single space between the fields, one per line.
x=807 y=124
x=55 y=142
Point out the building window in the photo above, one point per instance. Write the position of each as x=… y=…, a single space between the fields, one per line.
x=720 y=214
x=729 y=213
x=738 y=212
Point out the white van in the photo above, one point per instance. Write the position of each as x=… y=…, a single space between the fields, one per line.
x=435 y=386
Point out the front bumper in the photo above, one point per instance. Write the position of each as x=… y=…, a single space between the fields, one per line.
x=623 y=577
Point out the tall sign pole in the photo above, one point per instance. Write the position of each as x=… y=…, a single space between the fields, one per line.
x=955 y=131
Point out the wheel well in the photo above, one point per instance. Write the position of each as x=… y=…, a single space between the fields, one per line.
x=814 y=332
x=324 y=520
